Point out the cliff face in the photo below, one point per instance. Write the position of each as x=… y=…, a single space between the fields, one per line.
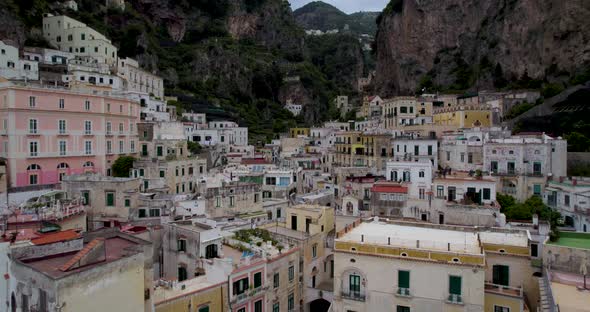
x=464 y=44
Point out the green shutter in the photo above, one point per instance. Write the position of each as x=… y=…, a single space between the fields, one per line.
x=501 y=275
x=110 y=199
x=355 y=283
x=403 y=279
x=204 y=309
x=455 y=285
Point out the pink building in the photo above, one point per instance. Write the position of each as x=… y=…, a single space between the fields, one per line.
x=248 y=284
x=47 y=132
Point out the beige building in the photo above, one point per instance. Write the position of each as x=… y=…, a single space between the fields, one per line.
x=139 y=80
x=68 y=34
x=235 y=199
x=421 y=267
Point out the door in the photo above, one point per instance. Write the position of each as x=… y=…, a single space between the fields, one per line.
x=452 y=193
x=294 y=223
x=441 y=219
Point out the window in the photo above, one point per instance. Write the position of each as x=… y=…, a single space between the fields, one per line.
x=240 y=286
x=159 y=151
x=537 y=189
x=402 y=309
x=144 y=150
x=355 y=285
x=440 y=191
x=276 y=307
x=511 y=168
x=87 y=127
x=62 y=148
x=61 y=125
x=534 y=250
x=314 y=251
x=416 y=150
x=486 y=194
x=33 y=179
x=127 y=202
x=32 y=101
x=291 y=273
x=132 y=146
x=501 y=275
x=462 y=157
x=231 y=201
x=204 y=309
x=421 y=174
x=448 y=156
x=86 y=104
x=181 y=245
x=403 y=282
x=494 y=167
x=566 y=200
x=469 y=158
x=33 y=148
x=182 y=275
x=537 y=168
x=154 y=212
x=455 y=288
x=83 y=36
x=141 y=172
x=291 y=302
x=429 y=150
x=256 y=197
x=109 y=147
x=121 y=147
x=121 y=128
x=33 y=126
x=88 y=147
x=258 y=306
x=162 y=173
x=275 y=280
x=110 y=198
x=501 y=309
x=257 y=279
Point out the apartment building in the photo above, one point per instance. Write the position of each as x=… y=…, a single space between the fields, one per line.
x=399 y=111
x=107 y=200
x=464 y=116
x=416 y=149
x=234 y=199
x=388 y=199
x=416 y=176
x=571 y=198
x=139 y=80
x=13 y=67
x=102 y=270
x=429 y=268
x=186 y=245
x=361 y=149
x=522 y=163
x=48 y=133
x=68 y=34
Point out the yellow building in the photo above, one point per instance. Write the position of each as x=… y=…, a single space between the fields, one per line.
x=464 y=116
x=196 y=295
x=358 y=149
x=296 y=132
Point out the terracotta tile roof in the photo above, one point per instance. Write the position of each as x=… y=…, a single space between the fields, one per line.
x=254 y=161
x=389 y=188
x=77 y=257
x=56 y=237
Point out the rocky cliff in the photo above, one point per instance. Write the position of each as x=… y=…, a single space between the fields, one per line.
x=469 y=44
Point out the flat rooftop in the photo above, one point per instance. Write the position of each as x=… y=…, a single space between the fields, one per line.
x=565 y=288
x=573 y=240
x=116 y=247
x=503 y=237
x=438 y=239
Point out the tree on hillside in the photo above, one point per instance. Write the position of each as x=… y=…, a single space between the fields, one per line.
x=122 y=166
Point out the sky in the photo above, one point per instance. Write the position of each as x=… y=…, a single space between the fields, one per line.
x=348 y=6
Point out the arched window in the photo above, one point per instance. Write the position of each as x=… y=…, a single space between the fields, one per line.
x=34 y=167
x=63 y=166
x=406 y=176
x=421 y=174
x=88 y=164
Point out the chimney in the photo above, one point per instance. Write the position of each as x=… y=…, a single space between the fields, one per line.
x=535 y=221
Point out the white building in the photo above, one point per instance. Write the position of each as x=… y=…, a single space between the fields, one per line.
x=571 y=197
x=139 y=80
x=417 y=176
x=12 y=67
x=415 y=149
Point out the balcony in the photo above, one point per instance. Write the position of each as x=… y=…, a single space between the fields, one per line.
x=454 y=299
x=403 y=292
x=504 y=290
x=33 y=132
x=249 y=293
x=353 y=295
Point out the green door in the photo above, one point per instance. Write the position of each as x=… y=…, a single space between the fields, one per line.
x=501 y=275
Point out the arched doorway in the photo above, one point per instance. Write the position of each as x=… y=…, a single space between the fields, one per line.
x=319 y=305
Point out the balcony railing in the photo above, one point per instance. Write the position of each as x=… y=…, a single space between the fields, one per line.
x=353 y=295
x=455 y=299
x=402 y=291
x=504 y=290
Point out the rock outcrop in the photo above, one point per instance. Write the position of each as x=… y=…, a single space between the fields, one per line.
x=463 y=44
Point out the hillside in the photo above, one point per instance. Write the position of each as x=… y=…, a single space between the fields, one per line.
x=323 y=16
x=458 y=45
x=226 y=58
